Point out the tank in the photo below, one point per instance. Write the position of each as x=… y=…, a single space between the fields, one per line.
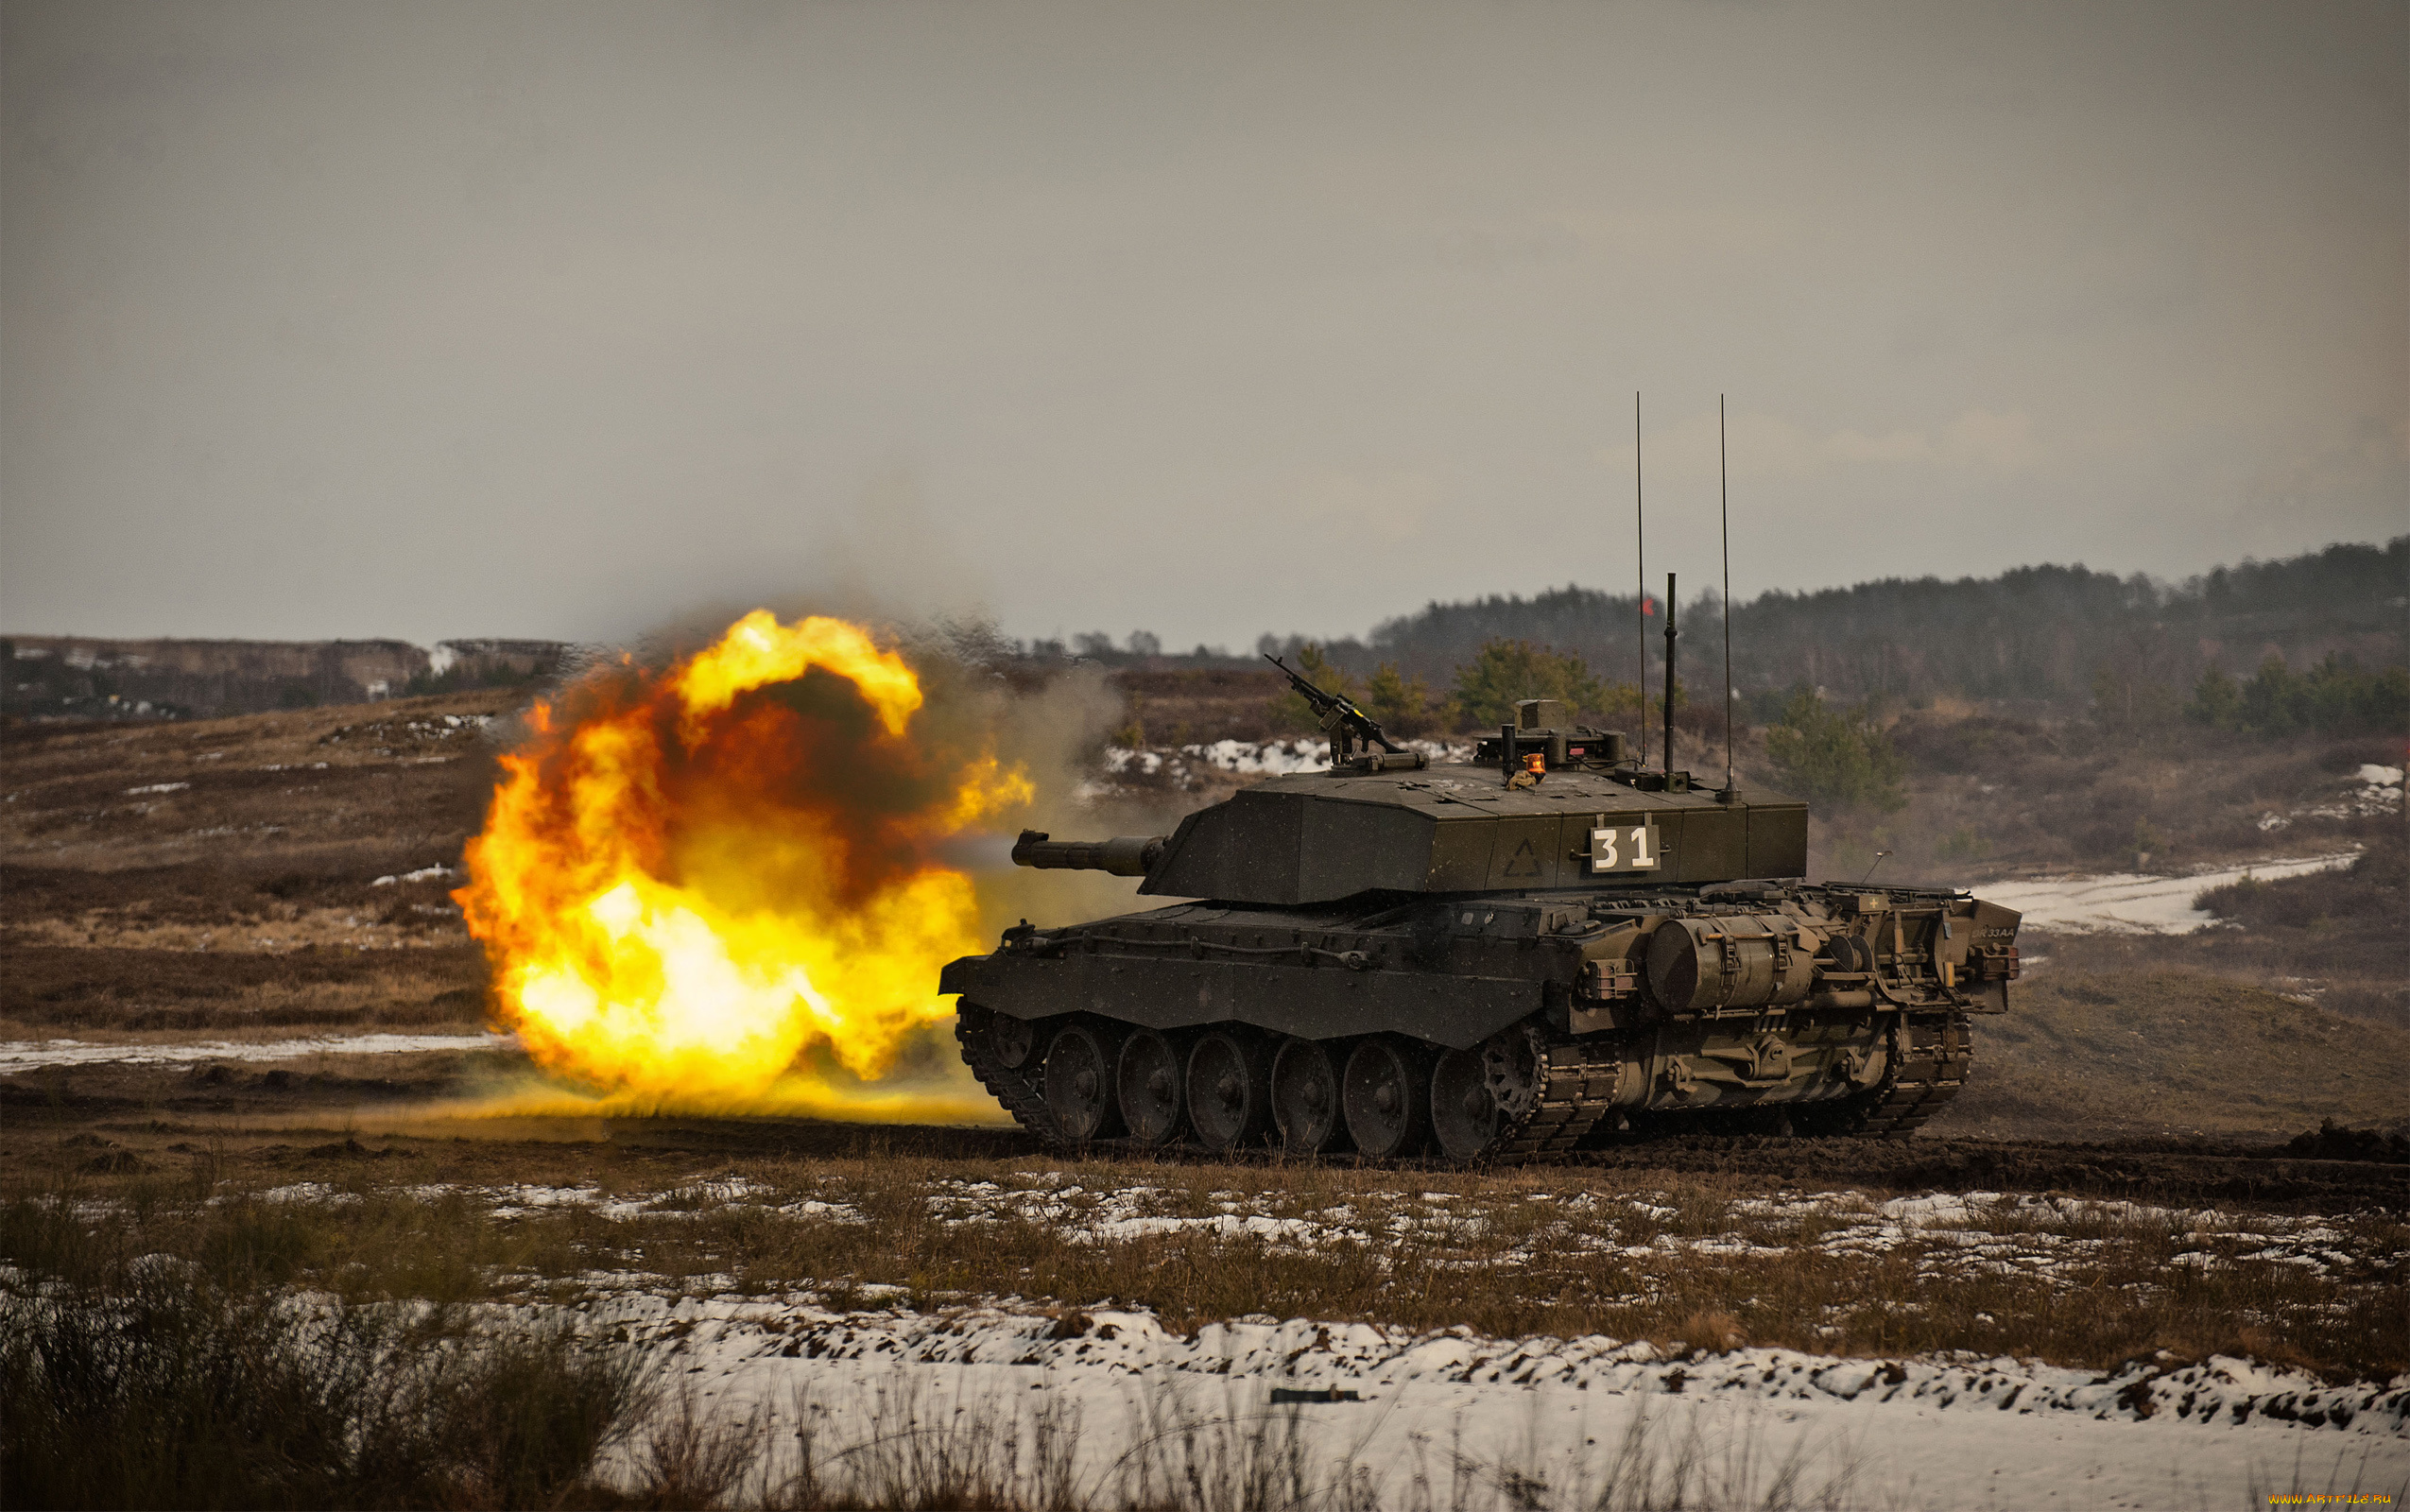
x=1500 y=960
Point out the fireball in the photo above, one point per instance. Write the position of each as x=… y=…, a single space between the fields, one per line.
x=690 y=881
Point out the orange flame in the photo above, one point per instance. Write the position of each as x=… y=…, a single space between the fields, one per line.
x=688 y=881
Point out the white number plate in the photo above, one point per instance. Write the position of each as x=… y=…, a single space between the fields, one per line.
x=1624 y=847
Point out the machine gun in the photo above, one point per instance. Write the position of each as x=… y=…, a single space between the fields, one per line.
x=1341 y=719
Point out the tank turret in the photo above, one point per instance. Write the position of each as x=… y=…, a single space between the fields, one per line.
x=1582 y=815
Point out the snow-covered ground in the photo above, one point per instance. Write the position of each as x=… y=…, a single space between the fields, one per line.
x=28 y=1054
x=863 y=1364
x=1958 y=1234
x=2371 y=790
x=1248 y=758
x=2143 y=904
x=1953 y=1430
x=1899 y=1432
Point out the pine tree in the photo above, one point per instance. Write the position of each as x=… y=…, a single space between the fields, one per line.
x=1837 y=758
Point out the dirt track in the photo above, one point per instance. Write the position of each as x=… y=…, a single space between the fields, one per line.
x=144 y=1109
x=2154 y=1172
x=2161 y=1174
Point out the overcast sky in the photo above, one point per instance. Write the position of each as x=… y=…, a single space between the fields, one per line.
x=432 y=320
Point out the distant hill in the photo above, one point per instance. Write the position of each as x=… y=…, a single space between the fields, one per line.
x=2042 y=633
x=74 y=676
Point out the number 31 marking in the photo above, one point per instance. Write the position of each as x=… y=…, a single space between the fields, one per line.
x=1608 y=850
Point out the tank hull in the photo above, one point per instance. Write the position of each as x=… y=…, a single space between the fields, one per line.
x=1491 y=1025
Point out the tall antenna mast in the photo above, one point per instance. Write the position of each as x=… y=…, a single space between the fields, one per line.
x=1669 y=676
x=1640 y=534
x=1724 y=484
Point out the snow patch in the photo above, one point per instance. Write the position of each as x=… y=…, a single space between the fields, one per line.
x=1178 y=764
x=433 y=873
x=2136 y=903
x=1374 y=1358
x=26 y=1055
x=1897 y=1431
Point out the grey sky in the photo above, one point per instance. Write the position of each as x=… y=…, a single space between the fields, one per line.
x=432 y=320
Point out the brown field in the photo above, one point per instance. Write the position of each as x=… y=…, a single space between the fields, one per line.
x=411 y=1240
x=242 y=880
x=215 y=880
x=221 y=878
x=222 y=875
x=1993 y=797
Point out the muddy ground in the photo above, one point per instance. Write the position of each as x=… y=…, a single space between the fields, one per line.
x=298 y=1120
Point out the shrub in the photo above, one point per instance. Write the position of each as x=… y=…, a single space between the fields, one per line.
x=166 y=1390
x=1962 y=844
x=2148 y=838
x=1131 y=733
x=2336 y=697
x=1402 y=704
x=1504 y=672
x=1837 y=758
x=2216 y=702
x=2127 y=704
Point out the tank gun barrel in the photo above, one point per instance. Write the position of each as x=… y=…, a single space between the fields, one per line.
x=1127 y=855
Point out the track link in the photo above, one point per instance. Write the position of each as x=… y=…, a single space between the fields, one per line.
x=1577 y=1090
x=1930 y=1056
x=1021 y=1092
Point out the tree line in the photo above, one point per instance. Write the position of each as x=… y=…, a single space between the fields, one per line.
x=2038 y=633
x=2125 y=651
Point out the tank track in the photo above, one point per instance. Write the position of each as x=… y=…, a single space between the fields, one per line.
x=1921 y=1077
x=1580 y=1089
x=1931 y=1055
x=1923 y=1073
x=1020 y=1092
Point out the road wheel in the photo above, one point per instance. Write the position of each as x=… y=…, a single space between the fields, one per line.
x=1079 y=1084
x=1387 y=1098
x=1463 y=1114
x=1148 y=1080
x=1305 y=1097
x=1477 y=1094
x=1229 y=1088
x=1014 y=1041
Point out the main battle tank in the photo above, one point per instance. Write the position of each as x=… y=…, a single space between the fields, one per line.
x=1492 y=961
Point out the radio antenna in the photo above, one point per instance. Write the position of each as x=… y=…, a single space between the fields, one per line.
x=1724 y=484
x=1640 y=534
x=1669 y=676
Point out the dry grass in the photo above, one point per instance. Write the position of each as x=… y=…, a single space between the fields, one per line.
x=2322 y=937
x=160 y=1384
x=1990 y=797
x=221 y=876
x=1178 y=708
x=2329 y=939
x=173 y=1343
x=1699 y=1263
x=1694 y=1265
x=51 y=991
x=2094 y=1047
x=353 y=790
x=1201 y=1456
